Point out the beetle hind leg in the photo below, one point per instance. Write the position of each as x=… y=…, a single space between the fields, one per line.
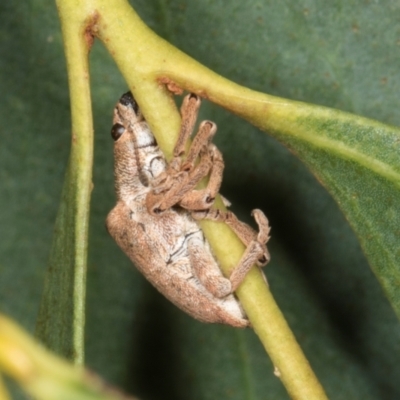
x=256 y=251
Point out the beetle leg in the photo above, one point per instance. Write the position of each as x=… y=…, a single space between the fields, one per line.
x=256 y=251
x=207 y=270
x=176 y=183
x=189 y=110
x=202 y=139
x=180 y=185
x=203 y=199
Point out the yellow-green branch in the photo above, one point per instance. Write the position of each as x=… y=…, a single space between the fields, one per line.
x=43 y=375
x=145 y=60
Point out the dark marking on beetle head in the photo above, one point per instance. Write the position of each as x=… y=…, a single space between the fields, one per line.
x=127 y=99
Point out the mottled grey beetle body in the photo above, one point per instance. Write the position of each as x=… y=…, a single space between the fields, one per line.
x=168 y=248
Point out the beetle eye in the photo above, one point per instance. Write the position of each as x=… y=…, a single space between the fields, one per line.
x=117 y=130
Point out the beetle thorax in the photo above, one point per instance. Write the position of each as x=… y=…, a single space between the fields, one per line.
x=138 y=160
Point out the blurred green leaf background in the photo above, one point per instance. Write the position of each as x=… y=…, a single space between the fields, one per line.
x=338 y=54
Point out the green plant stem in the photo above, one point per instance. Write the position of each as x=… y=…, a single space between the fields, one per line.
x=61 y=318
x=155 y=59
x=144 y=59
x=3 y=391
x=43 y=375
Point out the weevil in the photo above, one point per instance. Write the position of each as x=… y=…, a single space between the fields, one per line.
x=154 y=220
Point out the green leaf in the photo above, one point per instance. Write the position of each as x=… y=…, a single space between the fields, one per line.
x=61 y=322
x=358 y=161
x=338 y=54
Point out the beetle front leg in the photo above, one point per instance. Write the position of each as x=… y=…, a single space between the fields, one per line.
x=174 y=188
x=203 y=199
x=206 y=132
x=189 y=111
x=180 y=179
